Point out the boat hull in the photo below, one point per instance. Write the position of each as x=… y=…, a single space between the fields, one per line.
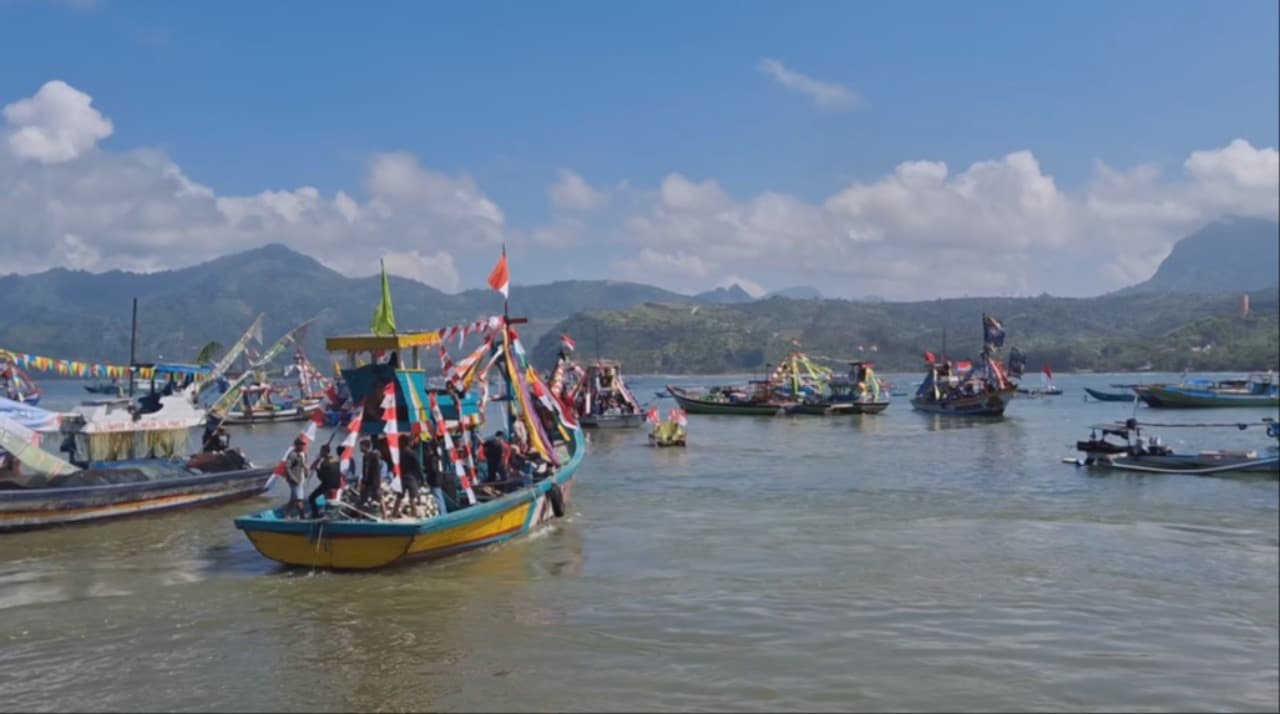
x=837 y=408
x=366 y=545
x=611 y=421
x=1175 y=398
x=27 y=509
x=275 y=415
x=701 y=406
x=1110 y=396
x=1196 y=464
x=983 y=405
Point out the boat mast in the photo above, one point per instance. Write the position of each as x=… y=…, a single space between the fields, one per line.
x=133 y=347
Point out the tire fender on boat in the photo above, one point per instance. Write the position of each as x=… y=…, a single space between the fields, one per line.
x=556 y=497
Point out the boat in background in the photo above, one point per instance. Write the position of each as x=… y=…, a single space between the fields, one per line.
x=754 y=399
x=960 y=388
x=1110 y=396
x=1046 y=389
x=603 y=400
x=1151 y=455
x=16 y=385
x=672 y=432
x=861 y=389
x=1255 y=391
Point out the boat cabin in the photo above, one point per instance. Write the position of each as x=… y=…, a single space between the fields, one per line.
x=374 y=361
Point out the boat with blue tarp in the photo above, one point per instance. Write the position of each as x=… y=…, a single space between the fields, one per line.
x=1257 y=390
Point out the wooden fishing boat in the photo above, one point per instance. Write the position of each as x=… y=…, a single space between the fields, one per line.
x=728 y=400
x=958 y=388
x=397 y=401
x=1109 y=396
x=114 y=471
x=603 y=400
x=271 y=413
x=1256 y=391
x=861 y=392
x=1134 y=454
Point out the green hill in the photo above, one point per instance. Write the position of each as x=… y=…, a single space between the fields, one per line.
x=1114 y=332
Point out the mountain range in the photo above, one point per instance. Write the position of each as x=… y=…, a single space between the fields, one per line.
x=86 y=316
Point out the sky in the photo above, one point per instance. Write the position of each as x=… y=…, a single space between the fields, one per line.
x=906 y=150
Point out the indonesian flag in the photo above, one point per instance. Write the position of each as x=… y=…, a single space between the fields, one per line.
x=390 y=425
x=567 y=342
x=928 y=357
x=348 y=448
x=963 y=365
x=1048 y=372
x=652 y=416
x=678 y=416
x=308 y=435
x=500 y=279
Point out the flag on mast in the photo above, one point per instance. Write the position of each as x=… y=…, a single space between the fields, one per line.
x=499 y=278
x=384 y=318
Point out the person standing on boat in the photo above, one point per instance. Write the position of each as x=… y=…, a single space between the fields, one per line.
x=410 y=475
x=371 y=476
x=329 y=471
x=295 y=473
x=496 y=455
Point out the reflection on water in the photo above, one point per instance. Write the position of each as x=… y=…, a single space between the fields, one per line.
x=893 y=561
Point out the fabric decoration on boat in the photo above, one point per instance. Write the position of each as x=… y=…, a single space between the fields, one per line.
x=442 y=432
x=16 y=439
x=390 y=424
x=32 y=418
x=72 y=368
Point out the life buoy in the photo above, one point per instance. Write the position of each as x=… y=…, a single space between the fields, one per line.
x=556 y=497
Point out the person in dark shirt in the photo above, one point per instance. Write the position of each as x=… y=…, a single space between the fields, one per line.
x=371 y=477
x=496 y=455
x=410 y=474
x=330 y=473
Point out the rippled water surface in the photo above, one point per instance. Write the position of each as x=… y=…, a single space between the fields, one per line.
x=896 y=561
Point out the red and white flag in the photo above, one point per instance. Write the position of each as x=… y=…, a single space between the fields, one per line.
x=652 y=416
x=348 y=448
x=390 y=427
x=1048 y=372
x=567 y=342
x=678 y=416
x=499 y=278
x=308 y=435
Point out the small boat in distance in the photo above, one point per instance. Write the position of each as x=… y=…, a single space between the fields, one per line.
x=960 y=388
x=1110 y=396
x=1046 y=389
x=672 y=432
x=603 y=400
x=754 y=399
x=1151 y=455
x=1255 y=391
x=16 y=385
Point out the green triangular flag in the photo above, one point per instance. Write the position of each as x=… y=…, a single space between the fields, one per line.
x=384 y=318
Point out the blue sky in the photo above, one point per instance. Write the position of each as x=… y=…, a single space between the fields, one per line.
x=250 y=97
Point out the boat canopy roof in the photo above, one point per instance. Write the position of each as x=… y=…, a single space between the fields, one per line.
x=196 y=370
x=381 y=343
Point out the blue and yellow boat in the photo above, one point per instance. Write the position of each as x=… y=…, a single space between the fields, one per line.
x=443 y=418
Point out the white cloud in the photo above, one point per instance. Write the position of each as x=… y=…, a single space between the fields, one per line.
x=572 y=192
x=1002 y=226
x=436 y=270
x=997 y=227
x=58 y=124
x=68 y=205
x=828 y=95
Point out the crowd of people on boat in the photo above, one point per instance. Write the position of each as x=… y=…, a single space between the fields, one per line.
x=427 y=485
